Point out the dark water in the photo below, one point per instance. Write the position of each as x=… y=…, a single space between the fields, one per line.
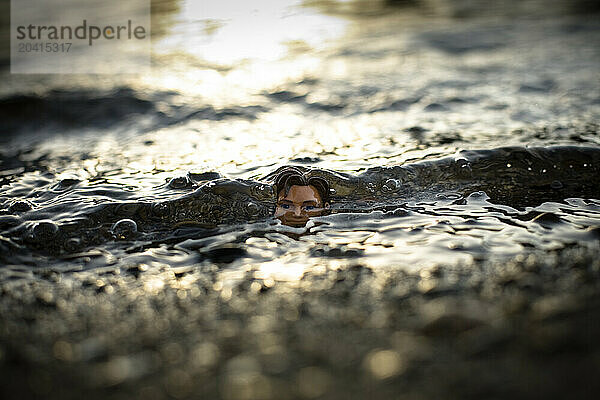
x=139 y=253
x=475 y=204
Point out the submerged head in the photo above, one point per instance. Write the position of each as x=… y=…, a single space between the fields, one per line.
x=300 y=196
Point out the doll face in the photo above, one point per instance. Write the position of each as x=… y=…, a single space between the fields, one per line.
x=298 y=205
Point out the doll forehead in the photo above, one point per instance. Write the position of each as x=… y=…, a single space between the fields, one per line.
x=299 y=194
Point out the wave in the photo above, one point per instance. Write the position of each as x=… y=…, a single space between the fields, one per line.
x=514 y=176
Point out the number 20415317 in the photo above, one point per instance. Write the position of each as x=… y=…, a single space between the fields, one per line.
x=44 y=47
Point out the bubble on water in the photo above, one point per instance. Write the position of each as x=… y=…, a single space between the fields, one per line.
x=124 y=229
x=448 y=196
x=45 y=230
x=160 y=209
x=252 y=208
x=464 y=167
x=478 y=196
x=391 y=185
x=371 y=187
x=398 y=212
x=179 y=182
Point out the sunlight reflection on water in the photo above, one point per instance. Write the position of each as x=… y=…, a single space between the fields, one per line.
x=247 y=47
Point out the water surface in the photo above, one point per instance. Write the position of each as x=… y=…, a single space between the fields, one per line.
x=139 y=250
